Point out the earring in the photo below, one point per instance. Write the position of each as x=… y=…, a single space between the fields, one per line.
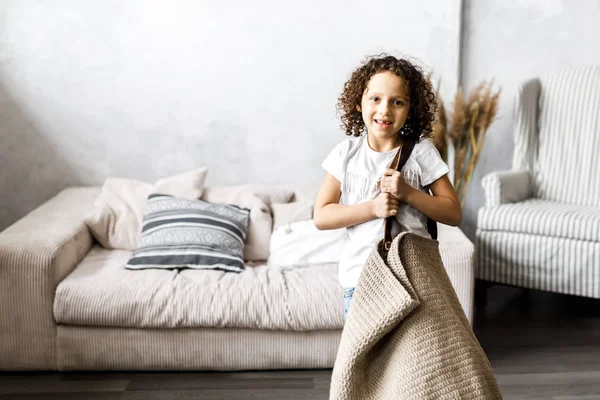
x=406 y=129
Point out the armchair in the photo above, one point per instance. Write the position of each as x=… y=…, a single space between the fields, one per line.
x=540 y=226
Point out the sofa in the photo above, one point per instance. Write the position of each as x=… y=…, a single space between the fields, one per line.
x=67 y=302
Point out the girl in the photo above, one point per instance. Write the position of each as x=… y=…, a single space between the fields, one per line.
x=392 y=101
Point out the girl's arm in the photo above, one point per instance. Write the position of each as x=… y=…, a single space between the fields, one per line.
x=329 y=214
x=443 y=206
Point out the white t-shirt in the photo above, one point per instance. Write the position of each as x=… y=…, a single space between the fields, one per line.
x=358 y=168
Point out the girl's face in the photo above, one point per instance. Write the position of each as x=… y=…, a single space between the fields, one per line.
x=385 y=105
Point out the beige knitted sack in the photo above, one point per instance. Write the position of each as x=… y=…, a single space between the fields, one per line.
x=406 y=336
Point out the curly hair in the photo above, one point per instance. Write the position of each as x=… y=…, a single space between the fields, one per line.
x=419 y=88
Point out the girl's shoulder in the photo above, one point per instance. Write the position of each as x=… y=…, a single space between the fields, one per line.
x=432 y=165
x=348 y=145
x=425 y=145
x=353 y=141
x=425 y=149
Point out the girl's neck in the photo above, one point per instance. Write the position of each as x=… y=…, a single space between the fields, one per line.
x=383 y=145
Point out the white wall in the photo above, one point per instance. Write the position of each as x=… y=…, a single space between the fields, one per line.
x=512 y=42
x=147 y=88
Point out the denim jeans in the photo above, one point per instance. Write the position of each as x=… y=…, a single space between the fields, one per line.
x=348 y=293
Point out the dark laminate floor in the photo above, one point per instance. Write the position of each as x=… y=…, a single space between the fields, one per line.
x=542 y=346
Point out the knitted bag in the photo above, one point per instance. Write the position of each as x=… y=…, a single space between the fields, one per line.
x=406 y=336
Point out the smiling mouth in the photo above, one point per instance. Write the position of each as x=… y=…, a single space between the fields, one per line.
x=383 y=123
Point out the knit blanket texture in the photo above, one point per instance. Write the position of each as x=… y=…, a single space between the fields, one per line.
x=406 y=336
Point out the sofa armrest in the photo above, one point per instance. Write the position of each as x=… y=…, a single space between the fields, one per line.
x=36 y=253
x=504 y=187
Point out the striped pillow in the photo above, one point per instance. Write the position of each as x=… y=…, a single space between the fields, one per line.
x=182 y=233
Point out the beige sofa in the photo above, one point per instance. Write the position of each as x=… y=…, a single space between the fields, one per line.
x=66 y=303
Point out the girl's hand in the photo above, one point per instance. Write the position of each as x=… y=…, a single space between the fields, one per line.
x=393 y=183
x=385 y=205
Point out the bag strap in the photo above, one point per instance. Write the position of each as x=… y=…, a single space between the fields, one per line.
x=401 y=158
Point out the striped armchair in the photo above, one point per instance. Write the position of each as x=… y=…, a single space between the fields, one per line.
x=540 y=226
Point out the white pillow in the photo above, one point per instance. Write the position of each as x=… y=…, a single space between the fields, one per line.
x=300 y=244
x=286 y=213
x=116 y=220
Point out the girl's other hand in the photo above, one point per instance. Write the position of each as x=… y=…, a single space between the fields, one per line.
x=393 y=183
x=385 y=205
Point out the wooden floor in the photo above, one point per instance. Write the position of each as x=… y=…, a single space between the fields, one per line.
x=541 y=345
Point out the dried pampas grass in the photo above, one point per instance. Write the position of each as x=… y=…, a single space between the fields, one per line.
x=465 y=130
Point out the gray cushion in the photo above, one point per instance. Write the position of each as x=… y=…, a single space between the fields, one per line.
x=182 y=233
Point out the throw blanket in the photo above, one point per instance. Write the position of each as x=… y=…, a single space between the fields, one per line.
x=406 y=336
